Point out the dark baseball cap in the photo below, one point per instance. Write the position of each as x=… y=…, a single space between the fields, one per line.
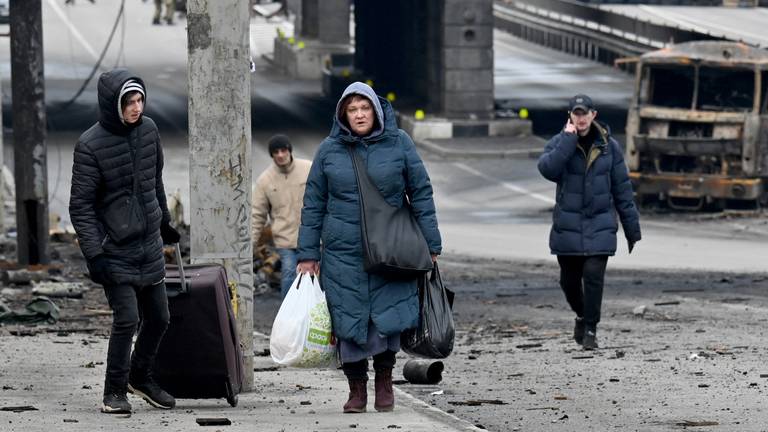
x=582 y=102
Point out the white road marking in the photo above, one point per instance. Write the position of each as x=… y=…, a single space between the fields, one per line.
x=506 y=185
x=56 y=8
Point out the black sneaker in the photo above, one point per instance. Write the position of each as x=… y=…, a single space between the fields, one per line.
x=578 y=331
x=153 y=394
x=116 y=403
x=156 y=21
x=590 y=340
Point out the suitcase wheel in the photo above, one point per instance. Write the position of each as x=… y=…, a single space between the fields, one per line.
x=231 y=395
x=232 y=400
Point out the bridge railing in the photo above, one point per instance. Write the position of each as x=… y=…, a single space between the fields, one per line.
x=587 y=31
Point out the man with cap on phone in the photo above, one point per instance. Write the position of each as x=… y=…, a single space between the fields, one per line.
x=279 y=195
x=593 y=186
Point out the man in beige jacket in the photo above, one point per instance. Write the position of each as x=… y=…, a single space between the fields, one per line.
x=279 y=195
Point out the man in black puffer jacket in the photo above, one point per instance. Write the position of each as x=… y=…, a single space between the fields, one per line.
x=119 y=211
x=592 y=187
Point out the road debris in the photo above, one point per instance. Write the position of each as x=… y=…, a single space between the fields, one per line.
x=39 y=310
x=667 y=303
x=18 y=409
x=59 y=289
x=478 y=402
x=692 y=423
x=213 y=421
x=528 y=346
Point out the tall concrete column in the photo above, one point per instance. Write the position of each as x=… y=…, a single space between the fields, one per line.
x=333 y=21
x=220 y=149
x=308 y=19
x=324 y=20
x=29 y=130
x=2 y=167
x=467 y=58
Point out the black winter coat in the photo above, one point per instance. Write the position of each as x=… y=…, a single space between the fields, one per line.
x=103 y=169
x=591 y=189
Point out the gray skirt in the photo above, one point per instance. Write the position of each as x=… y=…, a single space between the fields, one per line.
x=377 y=344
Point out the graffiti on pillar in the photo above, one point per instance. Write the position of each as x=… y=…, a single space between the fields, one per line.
x=239 y=223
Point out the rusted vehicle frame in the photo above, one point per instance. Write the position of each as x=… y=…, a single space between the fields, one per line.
x=724 y=149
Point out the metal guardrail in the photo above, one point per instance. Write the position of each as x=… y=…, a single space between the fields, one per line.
x=587 y=31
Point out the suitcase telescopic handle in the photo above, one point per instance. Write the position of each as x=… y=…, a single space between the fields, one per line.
x=180 y=263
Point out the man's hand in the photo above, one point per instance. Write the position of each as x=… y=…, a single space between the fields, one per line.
x=98 y=269
x=169 y=233
x=309 y=266
x=569 y=127
x=434 y=258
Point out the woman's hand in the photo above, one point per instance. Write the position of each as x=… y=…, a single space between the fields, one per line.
x=434 y=258
x=308 y=266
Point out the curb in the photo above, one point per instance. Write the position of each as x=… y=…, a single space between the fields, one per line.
x=436 y=149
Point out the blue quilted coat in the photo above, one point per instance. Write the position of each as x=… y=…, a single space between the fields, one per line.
x=331 y=214
x=591 y=189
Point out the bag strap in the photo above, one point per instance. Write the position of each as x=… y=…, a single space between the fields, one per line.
x=364 y=180
x=361 y=174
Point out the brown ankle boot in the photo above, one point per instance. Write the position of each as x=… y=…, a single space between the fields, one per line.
x=385 y=395
x=358 y=396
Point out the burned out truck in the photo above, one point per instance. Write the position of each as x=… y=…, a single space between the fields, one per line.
x=697 y=128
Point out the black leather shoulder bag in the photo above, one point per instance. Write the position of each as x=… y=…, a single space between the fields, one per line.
x=393 y=244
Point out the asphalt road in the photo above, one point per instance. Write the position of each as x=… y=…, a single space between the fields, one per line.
x=490 y=208
x=746 y=24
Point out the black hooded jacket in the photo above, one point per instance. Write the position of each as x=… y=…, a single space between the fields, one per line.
x=103 y=169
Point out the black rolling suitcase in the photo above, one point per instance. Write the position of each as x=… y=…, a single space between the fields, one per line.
x=200 y=355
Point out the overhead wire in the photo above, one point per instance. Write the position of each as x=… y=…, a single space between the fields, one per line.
x=52 y=196
x=96 y=66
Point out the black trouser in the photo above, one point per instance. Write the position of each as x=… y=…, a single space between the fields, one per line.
x=581 y=278
x=130 y=306
x=359 y=369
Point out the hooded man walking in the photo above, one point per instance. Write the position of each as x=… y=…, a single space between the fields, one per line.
x=119 y=211
x=592 y=186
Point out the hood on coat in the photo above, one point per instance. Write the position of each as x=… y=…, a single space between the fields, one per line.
x=110 y=84
x=362 y=89
x=603 y=131
x=385 y=114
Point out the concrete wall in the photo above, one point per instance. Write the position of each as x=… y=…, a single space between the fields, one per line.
x=439 y=54
x=467 y=58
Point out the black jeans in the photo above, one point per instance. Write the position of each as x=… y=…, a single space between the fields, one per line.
x=581 y=278
x=359 y=369
x=145 y=308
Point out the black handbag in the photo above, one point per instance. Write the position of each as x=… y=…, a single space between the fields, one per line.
x=124 y=217
x=434 y=336
x=393 y=244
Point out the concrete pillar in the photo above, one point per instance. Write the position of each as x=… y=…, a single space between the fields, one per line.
x=29 y=131
x=468 y=58
x=220 y=149
x=333 y=21
x=2 y=167
x=308 y=21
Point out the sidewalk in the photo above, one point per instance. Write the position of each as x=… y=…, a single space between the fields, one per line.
x=62 y=377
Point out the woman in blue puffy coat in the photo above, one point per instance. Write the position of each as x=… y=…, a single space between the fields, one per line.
x=368 y=311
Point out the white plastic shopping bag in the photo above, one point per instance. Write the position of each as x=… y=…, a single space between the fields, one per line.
x=302 y=335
